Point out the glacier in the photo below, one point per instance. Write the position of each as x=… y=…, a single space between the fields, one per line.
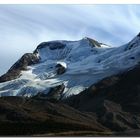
x=86 y=62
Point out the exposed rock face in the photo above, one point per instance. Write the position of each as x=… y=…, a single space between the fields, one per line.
x=52 y=45
x=60 y=69
x=54 y=94
x=26 y=60
x=138 y=34
x=134 y=43
x=14 y=72
x=94 y=42
x=10 y=76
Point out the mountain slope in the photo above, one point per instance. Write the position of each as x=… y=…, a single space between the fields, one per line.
x=115 y=100
x=21 y=116
x=107 y=108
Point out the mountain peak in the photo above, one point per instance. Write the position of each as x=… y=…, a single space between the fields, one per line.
x=93 y=42
x=138 y=34
x=135 y=42
x=76 y=63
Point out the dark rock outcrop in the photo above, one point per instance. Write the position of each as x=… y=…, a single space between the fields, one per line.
x=133 y=44
x=138 y=35
x=54 y=94
x=52 y=45
x=93 y=42
x=14 y=72
x=60 y=69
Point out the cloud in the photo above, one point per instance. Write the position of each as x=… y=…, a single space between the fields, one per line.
x=23 y=27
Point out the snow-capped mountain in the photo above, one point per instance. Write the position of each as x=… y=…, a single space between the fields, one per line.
x=74 y=64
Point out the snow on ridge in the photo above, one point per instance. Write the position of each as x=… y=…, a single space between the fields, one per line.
x=84 y=64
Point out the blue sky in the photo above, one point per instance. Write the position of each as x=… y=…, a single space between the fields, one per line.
x=23 y=27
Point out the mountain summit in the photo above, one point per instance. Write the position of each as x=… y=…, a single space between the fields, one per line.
x=74 y=64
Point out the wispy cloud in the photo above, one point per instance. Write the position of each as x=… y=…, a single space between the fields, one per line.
x=23 y=27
